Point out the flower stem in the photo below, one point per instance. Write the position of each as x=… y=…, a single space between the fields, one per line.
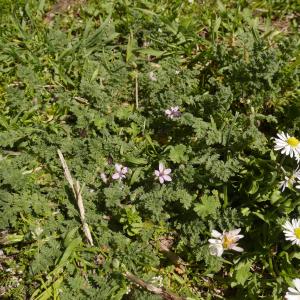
x=225 y=203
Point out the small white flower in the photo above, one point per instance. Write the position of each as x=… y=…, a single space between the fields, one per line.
x=38 y=231
x=146 y=44
x=128 y=290
x=103 y=177
x=162 y=174
x=288 y=145
x=152 y=76
x=157 y=280
x=173 y=112
x=120 y=172
x=224 y=241
x=294 y=293
x=292 y=231
x=289 y=181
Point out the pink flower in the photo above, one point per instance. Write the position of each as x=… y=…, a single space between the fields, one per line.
x=162 y=174
x=173 y=112
x=120 y=172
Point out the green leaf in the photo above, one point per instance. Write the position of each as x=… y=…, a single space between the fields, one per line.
x=99 y=123
x=152 y=52
x=135 y=176
x=208 y=206
x=70 y=250
x=254 y=187
x=295 y=255
x=130 y=46
x=178 y=154
x=136 y=160
x=243 y=272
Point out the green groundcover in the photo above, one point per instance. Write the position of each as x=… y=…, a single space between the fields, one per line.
x=149 y=149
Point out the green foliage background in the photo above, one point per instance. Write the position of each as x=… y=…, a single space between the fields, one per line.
x=82 y=84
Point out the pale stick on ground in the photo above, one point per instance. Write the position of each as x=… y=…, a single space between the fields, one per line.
x=75 y=186
x=152 y=288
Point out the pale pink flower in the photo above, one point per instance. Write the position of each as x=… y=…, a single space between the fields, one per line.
x=162 y=174
x=120 y=172
x=173 y=112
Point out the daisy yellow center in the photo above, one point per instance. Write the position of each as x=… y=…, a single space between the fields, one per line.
x=293 y=142
x=297 y=232
x=227 y=242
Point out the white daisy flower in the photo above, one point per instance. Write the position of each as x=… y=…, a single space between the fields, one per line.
x=288 y=145
x=224 y=241
x=294 y=293
x=292 y=231
x=289 y=181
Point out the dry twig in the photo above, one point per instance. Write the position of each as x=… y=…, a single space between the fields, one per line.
x=75 y=186
x=152 y=288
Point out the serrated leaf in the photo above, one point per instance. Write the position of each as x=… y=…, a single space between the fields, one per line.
x=208 y=206
x=178 y=154
x=243 y=272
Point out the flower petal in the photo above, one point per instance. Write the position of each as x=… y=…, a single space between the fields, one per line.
x=118 y=167
x=167 y=171
x=238 y=249
x=161 y=167
x=216 y=234
x=296 y=283
x=289 y=296
x=215 y=241
x=216 y=249
x=167 y=178
x=116 y=176
x=234 y=231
